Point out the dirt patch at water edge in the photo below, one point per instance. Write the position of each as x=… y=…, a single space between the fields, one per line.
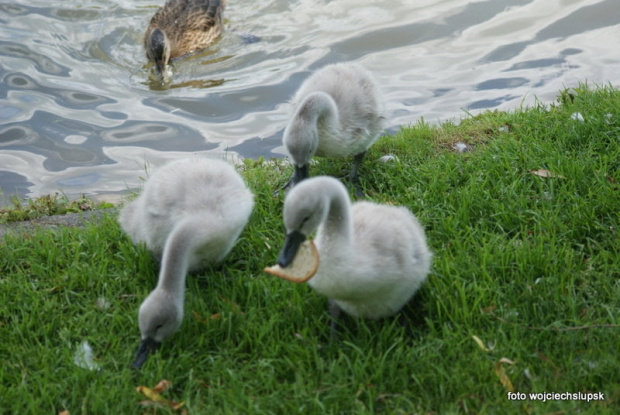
x=55 y=222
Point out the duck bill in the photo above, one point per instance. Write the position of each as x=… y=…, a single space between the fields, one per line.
x=292 y=242
x=161 y=67
x=301 y=173
x=145 y=348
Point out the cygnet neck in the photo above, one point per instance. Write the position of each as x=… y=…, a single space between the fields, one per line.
x=176 y=258
x=338 y=226
x=319 y=110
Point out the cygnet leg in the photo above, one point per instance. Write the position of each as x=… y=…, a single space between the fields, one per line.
x=335 y=312
x=357 y=160
x=411 y=316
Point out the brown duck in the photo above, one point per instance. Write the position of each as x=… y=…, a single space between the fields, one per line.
x=181 y=27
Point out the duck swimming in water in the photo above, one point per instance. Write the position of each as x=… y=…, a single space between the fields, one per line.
x=182 y=27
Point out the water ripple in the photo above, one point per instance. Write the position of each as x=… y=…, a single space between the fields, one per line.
x=42 y=63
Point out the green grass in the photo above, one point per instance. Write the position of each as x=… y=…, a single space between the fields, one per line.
x=527 y=264
x=57 y=204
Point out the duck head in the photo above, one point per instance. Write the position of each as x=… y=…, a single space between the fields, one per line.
x=158 y=49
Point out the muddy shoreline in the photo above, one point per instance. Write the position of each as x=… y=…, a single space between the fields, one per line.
x=72 y=220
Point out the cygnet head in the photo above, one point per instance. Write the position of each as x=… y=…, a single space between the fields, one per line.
x=160 y=316
x=301 y=144
x=301 y=138
x=158 y=49
x=306 y=206
x=301 y=135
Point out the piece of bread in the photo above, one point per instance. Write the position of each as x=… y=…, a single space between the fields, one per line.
x=303 y=267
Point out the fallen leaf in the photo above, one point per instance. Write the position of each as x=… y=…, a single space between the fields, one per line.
x=556 y=370
x=489 y=309
x=543 y=357
x=501 y=373
x=546 y=173
x=204 y=320
x=151 y=395
x=234 y=307
x=546 y=359
x=172 y=405
x=162 y=386
x=155 y=398
x=506 y=360
x=480 y=343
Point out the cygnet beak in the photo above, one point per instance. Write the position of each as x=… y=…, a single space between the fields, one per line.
x=291 y=245
x=145 y=348
x=301 y=173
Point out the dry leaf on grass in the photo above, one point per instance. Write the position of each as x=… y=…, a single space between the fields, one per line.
x=206 y=320
x=480 y=343
x=489 y=309
x=162 y=386
x=234 y=307
x=546 y=173
x=501 y=373
x=155 y=398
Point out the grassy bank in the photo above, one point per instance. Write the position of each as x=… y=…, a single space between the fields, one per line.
x=524 y=295
x=15 y=210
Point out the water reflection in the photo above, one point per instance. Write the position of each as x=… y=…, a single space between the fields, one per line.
x=80 y=109
x=42 y=63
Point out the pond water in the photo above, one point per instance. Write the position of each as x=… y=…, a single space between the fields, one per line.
x=82 y=112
